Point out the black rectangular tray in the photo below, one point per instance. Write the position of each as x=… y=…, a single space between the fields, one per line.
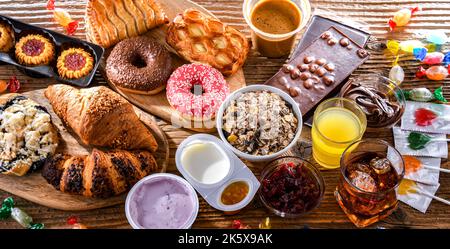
x=61 y=42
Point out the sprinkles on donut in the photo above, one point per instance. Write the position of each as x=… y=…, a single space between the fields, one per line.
x=197 y=91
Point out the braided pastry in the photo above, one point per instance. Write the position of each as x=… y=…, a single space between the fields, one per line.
x=201 y=38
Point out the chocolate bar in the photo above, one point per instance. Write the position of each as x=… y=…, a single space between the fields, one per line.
x=319 y=69
x=319 y=24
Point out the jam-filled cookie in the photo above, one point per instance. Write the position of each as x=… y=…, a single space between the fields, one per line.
x=74 y=63
x=33 y=50
x=6 y=37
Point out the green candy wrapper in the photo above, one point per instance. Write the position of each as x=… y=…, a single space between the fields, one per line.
x=8 y=210
x=424 y=95
x=7 y=205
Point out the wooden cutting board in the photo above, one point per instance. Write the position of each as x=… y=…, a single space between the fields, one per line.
x=35 y=188
x=158 y=104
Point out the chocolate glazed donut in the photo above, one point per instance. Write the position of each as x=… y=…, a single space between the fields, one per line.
x=139 y=65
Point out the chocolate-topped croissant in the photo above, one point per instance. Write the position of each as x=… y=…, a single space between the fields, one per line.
x=101 y=174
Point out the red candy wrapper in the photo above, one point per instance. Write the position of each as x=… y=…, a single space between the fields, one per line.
x=72 y=220
x=421 y=72
x=51 y=4
x=237 y=224
x=72 y=27
x=14 y=84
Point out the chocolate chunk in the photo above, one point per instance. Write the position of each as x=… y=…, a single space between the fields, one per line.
x=305 y=75
x=294 y=91
x=319 y=87
x=328 y=80
x=308 y=59
x=330 y=67
x=332 y=41
x=287 y=68
x=326 y=35
x=362 y=53
x=283 y=81
x=313 y=67
x=303 y=67
x=315 y=79
x=344 y=42
x=321 y=61
x=308 y=83
x=321 y=71
x=295 y=73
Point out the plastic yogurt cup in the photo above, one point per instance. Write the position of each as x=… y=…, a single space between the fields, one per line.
x=218 y=175
x=162 y=201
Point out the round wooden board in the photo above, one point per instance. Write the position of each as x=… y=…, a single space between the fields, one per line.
x=35 y=188
x=157 y=104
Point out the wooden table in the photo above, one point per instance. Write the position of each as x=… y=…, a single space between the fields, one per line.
x=375 y=13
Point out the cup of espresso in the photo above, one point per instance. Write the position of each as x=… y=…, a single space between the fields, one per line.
x=275 y=23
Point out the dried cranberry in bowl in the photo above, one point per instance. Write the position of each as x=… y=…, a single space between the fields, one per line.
x=291 y=186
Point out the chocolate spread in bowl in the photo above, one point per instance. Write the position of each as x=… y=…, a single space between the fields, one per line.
x=380 y=110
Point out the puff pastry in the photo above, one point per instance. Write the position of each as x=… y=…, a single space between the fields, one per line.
x=198 y=37
x=110 y=21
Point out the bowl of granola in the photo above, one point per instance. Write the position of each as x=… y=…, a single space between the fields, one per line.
x=259 y=122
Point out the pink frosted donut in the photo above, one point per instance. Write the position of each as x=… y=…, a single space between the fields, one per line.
x=197 y=91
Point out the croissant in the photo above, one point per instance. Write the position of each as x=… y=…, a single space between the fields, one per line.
x=101 y=174
x=100 y=117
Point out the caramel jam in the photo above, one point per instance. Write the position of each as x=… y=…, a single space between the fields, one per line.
x=33 y=47
x=234 y=193
x=275 y=17
x=75 y=61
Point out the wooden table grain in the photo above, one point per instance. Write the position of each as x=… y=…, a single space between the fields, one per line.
x=373 y=13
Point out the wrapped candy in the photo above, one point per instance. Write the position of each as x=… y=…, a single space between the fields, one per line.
x=409 y=45
x=419 y=140
x=436 y=37
x=3 y=86
x=437 y=73
x=412 y=193
x=421 y=72
x=432 y=58
x=424 y=95
x=426 y=117
x=393 y=46
x=63 y=18
x=397 y=74
x=402 y=17
x=446 y=60
x=8 y=210
x=438 y=149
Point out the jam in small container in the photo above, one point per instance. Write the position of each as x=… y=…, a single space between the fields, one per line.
x=234 y=193
x=291 y=186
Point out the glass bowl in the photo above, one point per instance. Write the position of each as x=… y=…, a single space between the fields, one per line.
x=288 y=184
x=361 y=89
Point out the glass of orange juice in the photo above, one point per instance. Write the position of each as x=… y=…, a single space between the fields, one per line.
x=337 y=123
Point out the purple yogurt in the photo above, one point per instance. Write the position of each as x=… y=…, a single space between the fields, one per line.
x=162 y=201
